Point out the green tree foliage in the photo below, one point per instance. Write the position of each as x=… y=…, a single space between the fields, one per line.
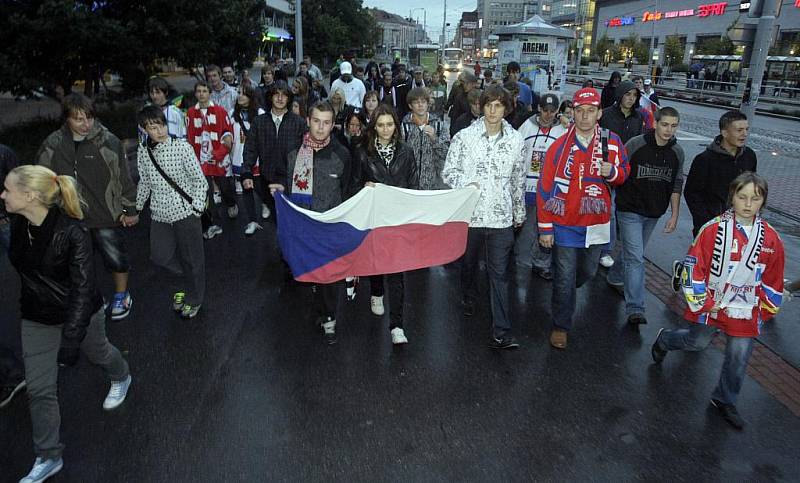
x=56 y=42
x=673 y=51
x=331 y=27
x=638 y=49
x=716 y=46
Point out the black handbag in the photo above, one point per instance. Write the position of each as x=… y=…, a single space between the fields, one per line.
x=174 y=185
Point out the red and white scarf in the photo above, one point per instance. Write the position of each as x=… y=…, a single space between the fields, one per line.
x=303 y=174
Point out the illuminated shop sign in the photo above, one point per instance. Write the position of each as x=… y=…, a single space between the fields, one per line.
x=620 y=21
x=701 y=11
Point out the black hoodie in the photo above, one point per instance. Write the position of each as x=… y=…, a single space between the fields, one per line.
x=709 y=178
x=656 y=173
x=615 y=120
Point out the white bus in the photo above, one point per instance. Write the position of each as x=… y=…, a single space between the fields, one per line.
x=453 y=59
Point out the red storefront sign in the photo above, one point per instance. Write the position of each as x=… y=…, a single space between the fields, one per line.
x=701 y=11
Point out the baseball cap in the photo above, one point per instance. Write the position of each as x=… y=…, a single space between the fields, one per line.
x=346 y=68
x=586 y=97
x=647 y=82
x=548 y=100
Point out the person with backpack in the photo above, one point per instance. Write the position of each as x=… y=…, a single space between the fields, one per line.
x=171 y=179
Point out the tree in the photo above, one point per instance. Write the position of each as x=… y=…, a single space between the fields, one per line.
x=56 y=42
x=330 y=27
x=716 y=46
x=673 y=51
x=638 y=50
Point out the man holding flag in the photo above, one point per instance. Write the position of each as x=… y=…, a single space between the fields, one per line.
x=317 y=178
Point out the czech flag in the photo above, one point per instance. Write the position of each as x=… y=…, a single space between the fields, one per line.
x=380 y=230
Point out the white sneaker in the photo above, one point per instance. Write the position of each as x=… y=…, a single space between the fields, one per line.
x=351 y=286
x=43 y=469
x=607 y=261
x=376 y=304
x=217 y=197
x=265 y=211
x=212 y=231
x=251 y=228
x=117 y=393
x=239 y=189
x=233 y=211
x=398 y=336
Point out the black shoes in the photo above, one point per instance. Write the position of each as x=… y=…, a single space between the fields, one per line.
x=504 y=342
x=656 y=351
x=637 y=319
x=469 y=307
x=7 y=393
x=618 y=288
x=728 y=413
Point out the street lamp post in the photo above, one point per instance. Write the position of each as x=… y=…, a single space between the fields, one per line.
x=424 y=18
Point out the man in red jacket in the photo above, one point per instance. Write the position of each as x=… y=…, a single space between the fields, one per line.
x=574 y=204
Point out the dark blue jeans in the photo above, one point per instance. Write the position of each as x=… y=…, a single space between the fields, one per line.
x=495 y=246
x=737 y=353
x=572 y=267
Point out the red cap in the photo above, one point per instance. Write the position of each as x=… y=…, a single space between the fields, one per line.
x=586 y=97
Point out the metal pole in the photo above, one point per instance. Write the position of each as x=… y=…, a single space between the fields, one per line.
x=579 y=36
x=758 y=61
x=444 y=24
x=653 y=43
x=298 y=32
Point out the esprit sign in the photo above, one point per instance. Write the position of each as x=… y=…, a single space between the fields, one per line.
x=620 y=21
x=706 y=10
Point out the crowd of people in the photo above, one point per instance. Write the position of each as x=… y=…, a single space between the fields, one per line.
x=561 y=182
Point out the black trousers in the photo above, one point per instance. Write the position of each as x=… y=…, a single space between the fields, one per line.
x=396 y=295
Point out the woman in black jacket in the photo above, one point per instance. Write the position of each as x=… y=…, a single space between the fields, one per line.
x=62 y=310
x=384 y=158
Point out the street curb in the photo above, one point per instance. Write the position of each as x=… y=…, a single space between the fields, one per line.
x=776 y=375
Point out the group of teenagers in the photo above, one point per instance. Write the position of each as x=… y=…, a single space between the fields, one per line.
x=553 y=196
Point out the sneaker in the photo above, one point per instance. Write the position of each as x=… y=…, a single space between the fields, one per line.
x=677 y=272
x=329 y=332
x=189 y=311
x=469 y=307
x=217 y=197
x=399 y=336
x=43 y=469
x=233 y=211
x=617 y=287
x=504 y=342
x=637 y=319
x=544 y=273
x=251 y=228
x=212 y=231
x=121 y=306
x=657 y=351
x=376 y=305
x=351 y=287
x=177 y=301
x=607 y=261
x=7 y=393
x=728 y=413
x=239 y=189
x=265 y=211
x=117 y=393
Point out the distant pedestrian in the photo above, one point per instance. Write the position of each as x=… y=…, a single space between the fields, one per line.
x=229 y=76
x=171 y=179
x=159 y=91
x=574 y=205
x=61 y=309
x=353 y=88
x=466 y=119
x=609 y=94
x=489 y=155
x=313 y=70
x=369 y=104
x=566 y=114
x=221 y=93
x=459 y=102
x=244 y=114
x=526 y=96
x=266 y=87
x=211 y=135
x=732 y=279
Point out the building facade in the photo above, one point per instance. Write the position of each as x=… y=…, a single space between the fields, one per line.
x=578 y=15
x=497 y=13
x=693 y=23
x=397 y=32
x=467 y=34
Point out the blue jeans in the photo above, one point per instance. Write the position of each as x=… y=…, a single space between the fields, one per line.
x=495 y=246
x=737 y=353
x=527 y=252
x=110 y=242
x=634 y=232
x=572 y=267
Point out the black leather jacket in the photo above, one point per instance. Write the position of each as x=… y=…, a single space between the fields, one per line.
x=401 y=172
x=57 y=274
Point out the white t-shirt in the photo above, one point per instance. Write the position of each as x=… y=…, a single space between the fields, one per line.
x=353 y=91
